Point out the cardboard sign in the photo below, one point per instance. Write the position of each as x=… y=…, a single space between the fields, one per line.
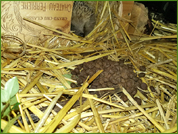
x=54 y=14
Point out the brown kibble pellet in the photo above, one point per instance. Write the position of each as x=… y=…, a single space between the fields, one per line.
x=74 y=72
x=124 y=98
x=124 y=74
x=73 y=85
x=134 y=92
x=152 y=89
x=143 y=86
x=93 y=86
x=116 y=86
x=97 y=66
x=135 y=78
x=131 y=75
x=109 y=84
x=74 y=77
x=80 y=81
x=88 y=71
x=111 y=71
x=138 y=100
x=105 y=79
x=122 y=80
x=114 y=81
x=118 y=79
x=80 y=66
x=139 y=81
x=142 y=68
x=130 y=83
x=141 y=75
x=129 y=90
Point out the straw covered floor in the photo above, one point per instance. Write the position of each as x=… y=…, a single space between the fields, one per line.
x=43 y=67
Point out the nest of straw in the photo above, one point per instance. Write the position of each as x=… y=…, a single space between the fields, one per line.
x=41 y=65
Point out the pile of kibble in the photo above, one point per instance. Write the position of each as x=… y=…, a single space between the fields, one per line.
x=114 y=73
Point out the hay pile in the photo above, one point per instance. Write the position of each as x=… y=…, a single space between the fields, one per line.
x=43 y=65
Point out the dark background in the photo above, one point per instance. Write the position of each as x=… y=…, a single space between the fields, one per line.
x=167 y=8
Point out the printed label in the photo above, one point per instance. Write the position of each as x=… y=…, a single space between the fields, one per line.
x=54 y=14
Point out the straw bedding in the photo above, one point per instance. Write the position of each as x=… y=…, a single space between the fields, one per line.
x=44 y=65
